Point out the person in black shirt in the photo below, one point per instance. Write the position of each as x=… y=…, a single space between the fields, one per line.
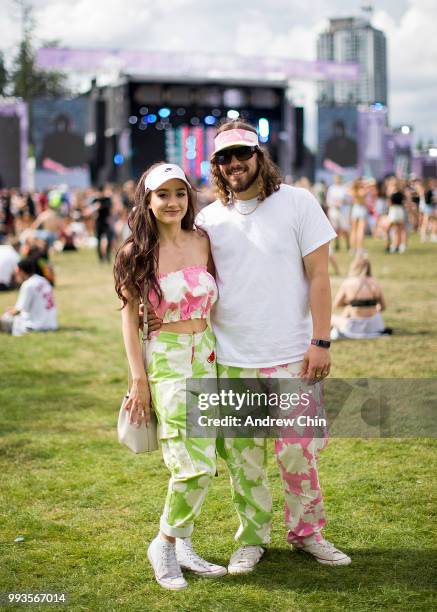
x=103 y=207
x=396 y=216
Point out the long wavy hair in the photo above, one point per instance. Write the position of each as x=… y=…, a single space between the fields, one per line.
x=269 y=176
x=137 y=259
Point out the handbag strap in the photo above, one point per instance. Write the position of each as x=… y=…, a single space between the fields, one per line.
x=145 y=332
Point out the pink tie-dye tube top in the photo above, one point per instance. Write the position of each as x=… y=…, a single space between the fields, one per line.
x=186 y=294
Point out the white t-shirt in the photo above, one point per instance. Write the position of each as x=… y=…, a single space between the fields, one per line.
x=36 y=304
x=8 y=262
x=262 y=317
x=336 y=196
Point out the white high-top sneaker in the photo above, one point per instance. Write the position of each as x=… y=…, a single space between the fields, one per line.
x=190 y=560
x=162 y=556
x=245 y=559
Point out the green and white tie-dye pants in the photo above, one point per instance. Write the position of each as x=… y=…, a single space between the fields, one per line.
x=172 y=358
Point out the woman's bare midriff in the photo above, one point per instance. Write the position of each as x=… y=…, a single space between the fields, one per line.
x=360 y=312
x=191 y=326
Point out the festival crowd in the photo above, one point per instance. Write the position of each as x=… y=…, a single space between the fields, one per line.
x=33 y=224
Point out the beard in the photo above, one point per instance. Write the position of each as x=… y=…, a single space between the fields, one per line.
x=239 y=184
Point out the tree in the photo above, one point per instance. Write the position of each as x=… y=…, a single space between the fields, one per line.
x=28 y=81
x=4 y=77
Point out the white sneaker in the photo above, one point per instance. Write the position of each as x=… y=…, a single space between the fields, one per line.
x=162 y=556
x=402 y=248
x=190 y=560
x=324 y=552
x=245 y=559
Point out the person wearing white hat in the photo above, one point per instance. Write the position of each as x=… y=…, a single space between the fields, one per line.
x=166 y=254
x=269 y=242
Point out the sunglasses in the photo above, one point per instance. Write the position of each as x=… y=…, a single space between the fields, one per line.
x=241 y=153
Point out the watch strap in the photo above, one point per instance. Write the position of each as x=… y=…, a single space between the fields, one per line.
x=322 y=343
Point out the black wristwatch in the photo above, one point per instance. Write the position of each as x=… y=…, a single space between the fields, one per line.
x=322 y=343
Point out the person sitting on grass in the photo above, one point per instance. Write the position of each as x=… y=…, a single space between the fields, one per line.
x=361 y=296
x=35 y=309
x=9 y=257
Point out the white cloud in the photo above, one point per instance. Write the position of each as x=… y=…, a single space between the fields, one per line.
x=412 y=62
x=260 y=27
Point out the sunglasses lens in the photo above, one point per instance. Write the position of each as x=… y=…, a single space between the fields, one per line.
x=223 y=158
x=243 y=153
x=240 y=153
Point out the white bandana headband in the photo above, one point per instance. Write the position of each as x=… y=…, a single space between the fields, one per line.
x=163 y=173
x=235 y=138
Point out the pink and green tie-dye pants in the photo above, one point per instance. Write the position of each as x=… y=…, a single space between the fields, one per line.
x=297 y=461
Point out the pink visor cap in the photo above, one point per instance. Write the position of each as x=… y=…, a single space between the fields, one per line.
x=163 y=173
x=235 y=138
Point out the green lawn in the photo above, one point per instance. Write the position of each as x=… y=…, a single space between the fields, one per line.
x=86 y=506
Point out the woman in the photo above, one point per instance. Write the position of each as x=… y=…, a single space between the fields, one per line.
x=428 y=209
x=169 y=257
x=363 y=301
x=396 y=217
x=381 y=212
x=359 y=214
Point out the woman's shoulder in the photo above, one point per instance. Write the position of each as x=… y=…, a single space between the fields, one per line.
x=199 y=234
x=200 y=238
x=374 y=282
x=350 y=281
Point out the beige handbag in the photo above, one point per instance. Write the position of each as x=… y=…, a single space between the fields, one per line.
x=142 y=439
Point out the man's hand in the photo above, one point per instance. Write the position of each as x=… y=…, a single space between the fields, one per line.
x=316 y=364
x=154 y=323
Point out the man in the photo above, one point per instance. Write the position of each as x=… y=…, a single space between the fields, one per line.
x=35 y=309
x=339 y=148
x=269 y=243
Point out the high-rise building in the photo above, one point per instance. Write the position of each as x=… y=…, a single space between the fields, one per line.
x=354 y=40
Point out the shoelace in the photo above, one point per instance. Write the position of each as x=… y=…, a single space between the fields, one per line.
x=170 y=563
x=327 y=546
x=240 y=554
x=193 y=556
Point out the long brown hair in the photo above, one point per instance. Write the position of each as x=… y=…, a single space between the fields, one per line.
x=269 y=176
x=137 y=259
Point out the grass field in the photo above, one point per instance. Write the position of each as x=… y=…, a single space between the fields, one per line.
x=86 y=506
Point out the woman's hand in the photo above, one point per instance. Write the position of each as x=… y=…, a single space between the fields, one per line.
x=154 y=323
x=138 y=403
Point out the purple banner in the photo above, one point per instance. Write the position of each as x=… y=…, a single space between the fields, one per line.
x=193 y=65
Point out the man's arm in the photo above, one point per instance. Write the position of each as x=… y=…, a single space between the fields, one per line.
x=317 y=360
x=316 y=269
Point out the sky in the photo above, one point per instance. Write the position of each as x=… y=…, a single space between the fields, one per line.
x=285 y=28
